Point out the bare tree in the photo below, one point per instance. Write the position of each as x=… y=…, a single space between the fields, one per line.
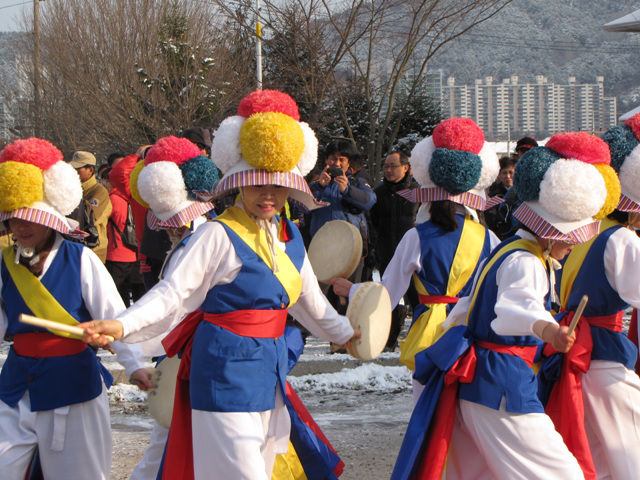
x=380 y=46
x=119 y=74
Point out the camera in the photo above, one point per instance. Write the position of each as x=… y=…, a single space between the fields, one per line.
x=334 y=172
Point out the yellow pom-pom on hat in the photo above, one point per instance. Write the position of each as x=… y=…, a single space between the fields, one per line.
x=614 y=190
x=133 y=183
x=272 y=141
x=21 y=184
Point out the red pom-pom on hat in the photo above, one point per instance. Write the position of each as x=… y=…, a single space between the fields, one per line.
x=459 y=134
x=33 y=151
x=634 y=124
x=581 y=146
x=172 y=149
x=260 y=101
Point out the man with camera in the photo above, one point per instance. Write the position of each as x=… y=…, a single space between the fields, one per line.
x=348 y=197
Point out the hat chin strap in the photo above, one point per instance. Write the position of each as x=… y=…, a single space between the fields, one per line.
x=265 y=225
x=554 y=265
x=26 y=252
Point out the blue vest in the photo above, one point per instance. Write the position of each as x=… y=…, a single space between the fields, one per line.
x=438 y=249
x=52 y=382
x=603 y=301
x=499 y=374
x=232 y=373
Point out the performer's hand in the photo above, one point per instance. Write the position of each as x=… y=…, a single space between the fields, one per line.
x=99 y=333
x=558 y=336
x=142 y=378
x=356 y=335
x=341 y=286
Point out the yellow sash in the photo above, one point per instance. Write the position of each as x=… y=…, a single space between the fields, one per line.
x=428 y=327
x=238 y=221
x=35 y=295
x=288 y=466
x=575 y=260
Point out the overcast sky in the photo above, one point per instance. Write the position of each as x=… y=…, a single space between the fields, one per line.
x=10 y=13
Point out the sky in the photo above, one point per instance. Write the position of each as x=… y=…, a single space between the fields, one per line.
x=10 y=13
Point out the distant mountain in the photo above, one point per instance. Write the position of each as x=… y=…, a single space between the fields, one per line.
x=555 y=38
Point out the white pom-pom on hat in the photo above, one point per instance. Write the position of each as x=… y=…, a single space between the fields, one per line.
x=225 y=146
x=62 y=187
x=490 y=167
x=161 y=185
x=559 y=195
x=420 y=160
x=309 y=156
x=630 y=175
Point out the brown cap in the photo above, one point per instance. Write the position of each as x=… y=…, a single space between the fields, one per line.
x=80 y=159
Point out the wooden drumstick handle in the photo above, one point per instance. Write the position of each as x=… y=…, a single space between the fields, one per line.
x=578 y=314
x=51 y=325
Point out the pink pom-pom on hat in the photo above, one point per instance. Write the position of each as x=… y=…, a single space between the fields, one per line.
x=459 y=134
x=260 y=101
x=581 y=146
x=172 y=149
x=33 y=151
x=634 y=124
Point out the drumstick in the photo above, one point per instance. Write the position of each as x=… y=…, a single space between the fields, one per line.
x=51 y=325
x=578 y=314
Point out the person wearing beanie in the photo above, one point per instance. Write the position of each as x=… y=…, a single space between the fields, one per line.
x=488 y=416
x=524 y=145
x=597 y=382
x=238 y=277
x=53 y=389
x=95 y=196
x=441 y=254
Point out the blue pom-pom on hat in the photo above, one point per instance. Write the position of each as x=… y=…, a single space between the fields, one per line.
x=456 y=171
x=530 y=171
x=621 y=141
x=199 y=174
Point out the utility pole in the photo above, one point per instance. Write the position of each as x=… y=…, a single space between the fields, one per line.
x=36 y=67
x=258 y=46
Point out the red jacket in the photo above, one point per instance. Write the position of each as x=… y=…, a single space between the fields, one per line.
x=116 y=251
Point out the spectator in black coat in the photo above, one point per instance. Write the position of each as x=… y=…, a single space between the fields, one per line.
x=391 y=217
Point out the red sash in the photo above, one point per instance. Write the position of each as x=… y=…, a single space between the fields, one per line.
x=566 y=405
x=178 y=462
x=433 y=299
x=43 y=345
x=463 y=371
x=632 y=335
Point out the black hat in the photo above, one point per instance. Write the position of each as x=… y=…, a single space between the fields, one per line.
x=198 y=135
x=526 y=143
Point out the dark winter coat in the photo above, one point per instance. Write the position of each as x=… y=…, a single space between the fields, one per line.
x=391 y=217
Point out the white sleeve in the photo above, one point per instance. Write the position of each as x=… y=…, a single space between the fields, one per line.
x=102 y=300
x=622 y=265
x=4 y=323
x=314 y=311
x=523 y=283
x=406 y=260
x=209 y=259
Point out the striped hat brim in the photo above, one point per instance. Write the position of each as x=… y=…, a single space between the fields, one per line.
x=546 y=225
x=43 y=214
x=243 y=175
x=628 y=205
x=433 y=194
x=181 y=218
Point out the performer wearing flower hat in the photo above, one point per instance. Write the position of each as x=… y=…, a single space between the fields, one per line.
x=52 y=386
x=441 y=254
x=597 y=384
x=479 y=372
x=240 y=274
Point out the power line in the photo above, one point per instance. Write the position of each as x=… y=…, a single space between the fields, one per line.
x=14 y=5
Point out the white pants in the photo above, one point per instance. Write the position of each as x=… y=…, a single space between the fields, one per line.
x=611 y=395
x=494 y=444
x=148 y=467
x=74 y=442
x=239 y=445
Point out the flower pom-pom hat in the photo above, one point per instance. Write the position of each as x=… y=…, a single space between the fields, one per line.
x=37 y=185
x=455 y=163
x=624 y=144
x=565 y=186
x=174 y=170
x=266 y=144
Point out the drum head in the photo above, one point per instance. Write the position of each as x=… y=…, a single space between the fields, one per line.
x=370 y=312
x=335 y=250
x=160 y=398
